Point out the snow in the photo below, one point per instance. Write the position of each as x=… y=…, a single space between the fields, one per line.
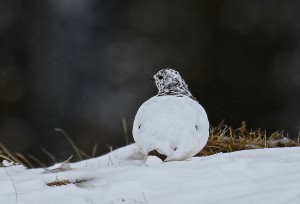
x=252 y=176
x=153 y=161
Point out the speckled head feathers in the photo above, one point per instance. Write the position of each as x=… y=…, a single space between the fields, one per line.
x=169 y=82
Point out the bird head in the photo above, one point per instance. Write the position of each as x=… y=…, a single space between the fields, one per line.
x=169 y=82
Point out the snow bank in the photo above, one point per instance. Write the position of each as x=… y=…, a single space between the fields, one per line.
x=252 y=176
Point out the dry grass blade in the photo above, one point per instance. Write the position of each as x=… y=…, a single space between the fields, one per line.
x=125 y=131
x=76 y=149
x=110 y=147
x=68 y=160
x=26 y=161
x=13 y=183
x=94 y=150
x=49 y=155
x=6 y=158
x=146 y=201
x=85 y=155
x=37 y=160
x=10 y=155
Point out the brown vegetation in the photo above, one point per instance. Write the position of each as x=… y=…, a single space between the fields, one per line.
x=222 y=139
x=63 y=182
x=226 y=139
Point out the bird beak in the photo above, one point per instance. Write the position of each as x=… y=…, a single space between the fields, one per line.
x=152 y=79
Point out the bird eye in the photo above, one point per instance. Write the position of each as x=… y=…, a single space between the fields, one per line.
x=160 y=77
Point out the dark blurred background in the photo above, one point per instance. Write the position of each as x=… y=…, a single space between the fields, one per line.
x=84 y=65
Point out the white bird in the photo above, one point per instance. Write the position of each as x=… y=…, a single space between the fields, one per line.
x=171 y=125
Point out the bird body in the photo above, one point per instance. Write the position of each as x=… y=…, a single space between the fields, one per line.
x=171 y=125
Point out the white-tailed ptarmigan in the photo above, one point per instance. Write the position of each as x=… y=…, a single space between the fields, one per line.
x=171 y=125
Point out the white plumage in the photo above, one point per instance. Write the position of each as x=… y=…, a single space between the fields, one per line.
x=171 y=125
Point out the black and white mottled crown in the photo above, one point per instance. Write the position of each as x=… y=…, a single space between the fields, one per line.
x=169 y=82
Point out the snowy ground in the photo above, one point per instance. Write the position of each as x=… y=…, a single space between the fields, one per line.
x=254 y=176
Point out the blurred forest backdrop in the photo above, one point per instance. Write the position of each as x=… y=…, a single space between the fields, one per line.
x=84 y=65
